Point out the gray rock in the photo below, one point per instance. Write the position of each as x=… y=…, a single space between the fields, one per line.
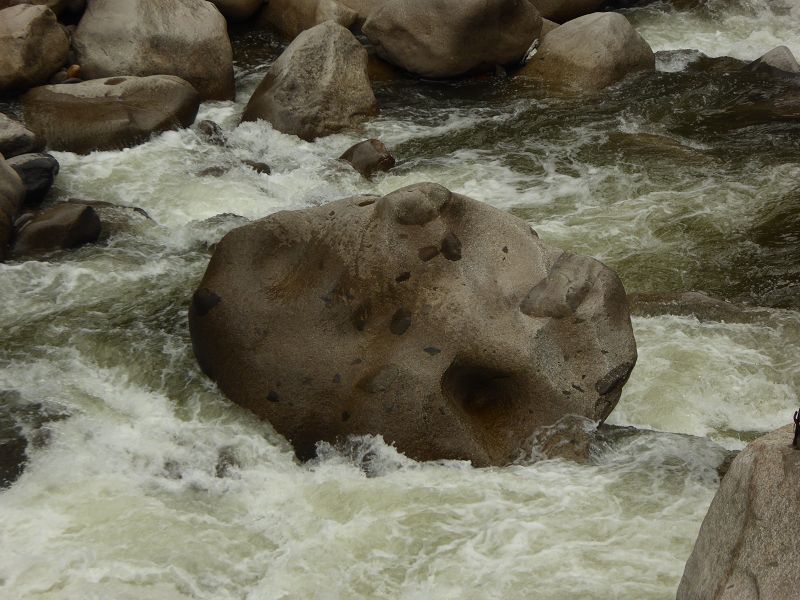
x=187 y=38
x=292 y=17
x=108 y=114
x=57 y=6
x=212 y=132
x=34 y=46
x=547 y=27
x=60 y=227
x=780 y=58
x=12 y=194
x=414 y=316
x=561 y=11
x=238 y=10
x=37 y=172
x=369 y=157
x=589 y=53
x=318 y=86
x=447 y=38
x=362 y=8
x=16 y=139
x=747 y=548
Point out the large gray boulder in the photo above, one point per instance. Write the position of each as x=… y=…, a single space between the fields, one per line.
x=187 y=38
x=446 y=38
x=16 y=139
x=33 y=46
x=318 y=86
x=561 y=11
x=590 y=53
x=438 y=321
x=238 y=10
x=748 y=545
x=108 y=114
x=292 y=17
x=780 y=58
x=12 y=195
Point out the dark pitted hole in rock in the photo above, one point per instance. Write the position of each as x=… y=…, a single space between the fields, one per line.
x=203 y=301
x=337 y=378
x=451 y=247
x=273 y=396
x=505 y=249
x=427 y=253
x=404 y=276
x=432 y=351
x=113 y=81
x=360 y=316
x=356 y=361
x=345 y=416
x=401 y=321
x=367 y=202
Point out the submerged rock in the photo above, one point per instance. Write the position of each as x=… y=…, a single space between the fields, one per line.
x=590 y=53
x=12 y=194
x=561 y=11
x=13 y=446
x=37 y=172
x=116 y=218
x=369 y=157
x=318 y=86
x=33 y=46
x=186 y=38
x=780 y=58
x=440 y=322
x=292 y=17
x=16 y=139
x=452 y=37
x=109 y=114
x=60 y=227
x=212 y=132
x=747 y=548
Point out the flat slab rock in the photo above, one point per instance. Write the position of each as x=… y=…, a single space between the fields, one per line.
x=438 y=321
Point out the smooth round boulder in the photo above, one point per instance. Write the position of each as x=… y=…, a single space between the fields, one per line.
x=12 y=194
x=747 y=548
x=33 y=46
x=57 y=6
x=562 y=11
x=238 y=10
x=292 y=17
x=779 y=59
x=447 y=38
x=37 y=172
x=369 y=157
x=317 y=86
x=60 y=227
x=440 y=322
x=186 y=38
x=362 y=8
x=17 y=139
x=589 y=54
x=109 y=114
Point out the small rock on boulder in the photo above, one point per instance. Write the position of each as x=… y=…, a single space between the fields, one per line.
x=590 y=53
x=12 y=194
x=60 y=227
x=238 y=10
x=561 y=11
x=747 y=548
x=292 y=17
x=38 y=172
x=318 y=86
x=33 y=46
x=780 y=59
x=187 y=38
x=369 y=157
x=16 y=139
x=108 y=114
x=452 y=37
x=437 y=321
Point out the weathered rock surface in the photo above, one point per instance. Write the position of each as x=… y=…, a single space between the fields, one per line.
x=60 y=227
x=33 y=46
x=292 y=17
x=117 y=219
x=37 y=172
x=747 y=548
x=447 y=38
x=187 y=38
x=590 y=53
x=238 y=10
x=318 y=86
x=780 y=58
x=440 y=322
x=107 y=114
x=369 y=157
x=362 y=8
x=561 y=11
x=16 y=139
x=57 y=6
x=12 y=194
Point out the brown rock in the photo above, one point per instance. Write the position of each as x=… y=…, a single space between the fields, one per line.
x=292 y=17
x=62 y=226
x=369 y=157
x=561 y=11
x=238 y=10
x=12 y=194
x=57 y=6
x=17 y=139
x=778 y=59
x=328 y=322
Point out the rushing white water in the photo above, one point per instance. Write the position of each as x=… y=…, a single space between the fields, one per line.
x=148 y=483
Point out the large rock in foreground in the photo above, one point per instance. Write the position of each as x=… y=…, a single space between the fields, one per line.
x=187 y=38
x=748 y=545
x=33 y=46
x=446 y=38
x=438 y=321
x=590 y=53
x=780 y=59
x=109 y=114
x=17 y=139
x=318 y=86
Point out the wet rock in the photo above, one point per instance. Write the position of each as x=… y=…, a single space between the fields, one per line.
x=109 y=114
x=16 y=139
x=13 y=446
x=12 y=194
x=569 y=438
x=212 y=132
x=380 y=71
x=62 y=226
x=37 y=172
x=214 y=171
x=332 y=309
x=747 y=548
x=292 y=17
x=186 y=38
x=318 y=86
x=696 y=304
x=227 y=462
x=369 y=157
x=117 y=219
x=561 y=11
x=34 y=46
x=589 y=53
x=780 y=59
x=238 y=10
x=258 y=167
x=453 y=37
x=57 y=6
